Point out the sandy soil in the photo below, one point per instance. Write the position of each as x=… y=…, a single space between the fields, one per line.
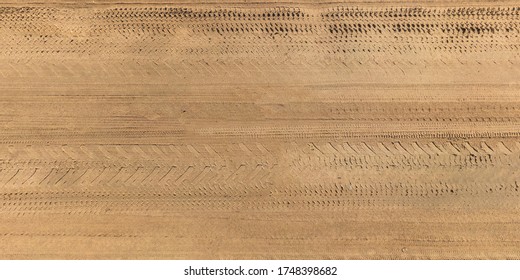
x=229 y=130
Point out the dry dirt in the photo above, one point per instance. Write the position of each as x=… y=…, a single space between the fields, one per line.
x=231 y=129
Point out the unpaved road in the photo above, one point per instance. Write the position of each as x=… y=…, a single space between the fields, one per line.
x=297 y=130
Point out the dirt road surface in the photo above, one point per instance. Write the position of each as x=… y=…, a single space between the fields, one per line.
x=358 y=129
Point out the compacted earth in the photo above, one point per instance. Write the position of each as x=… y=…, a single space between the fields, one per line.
x=359 y=129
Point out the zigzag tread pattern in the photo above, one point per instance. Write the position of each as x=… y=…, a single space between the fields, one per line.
x=176 y=42
x=317 y=174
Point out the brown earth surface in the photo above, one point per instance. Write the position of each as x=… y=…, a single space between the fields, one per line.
x=356 y=129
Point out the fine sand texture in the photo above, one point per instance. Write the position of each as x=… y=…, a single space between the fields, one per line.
x=361 y=129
